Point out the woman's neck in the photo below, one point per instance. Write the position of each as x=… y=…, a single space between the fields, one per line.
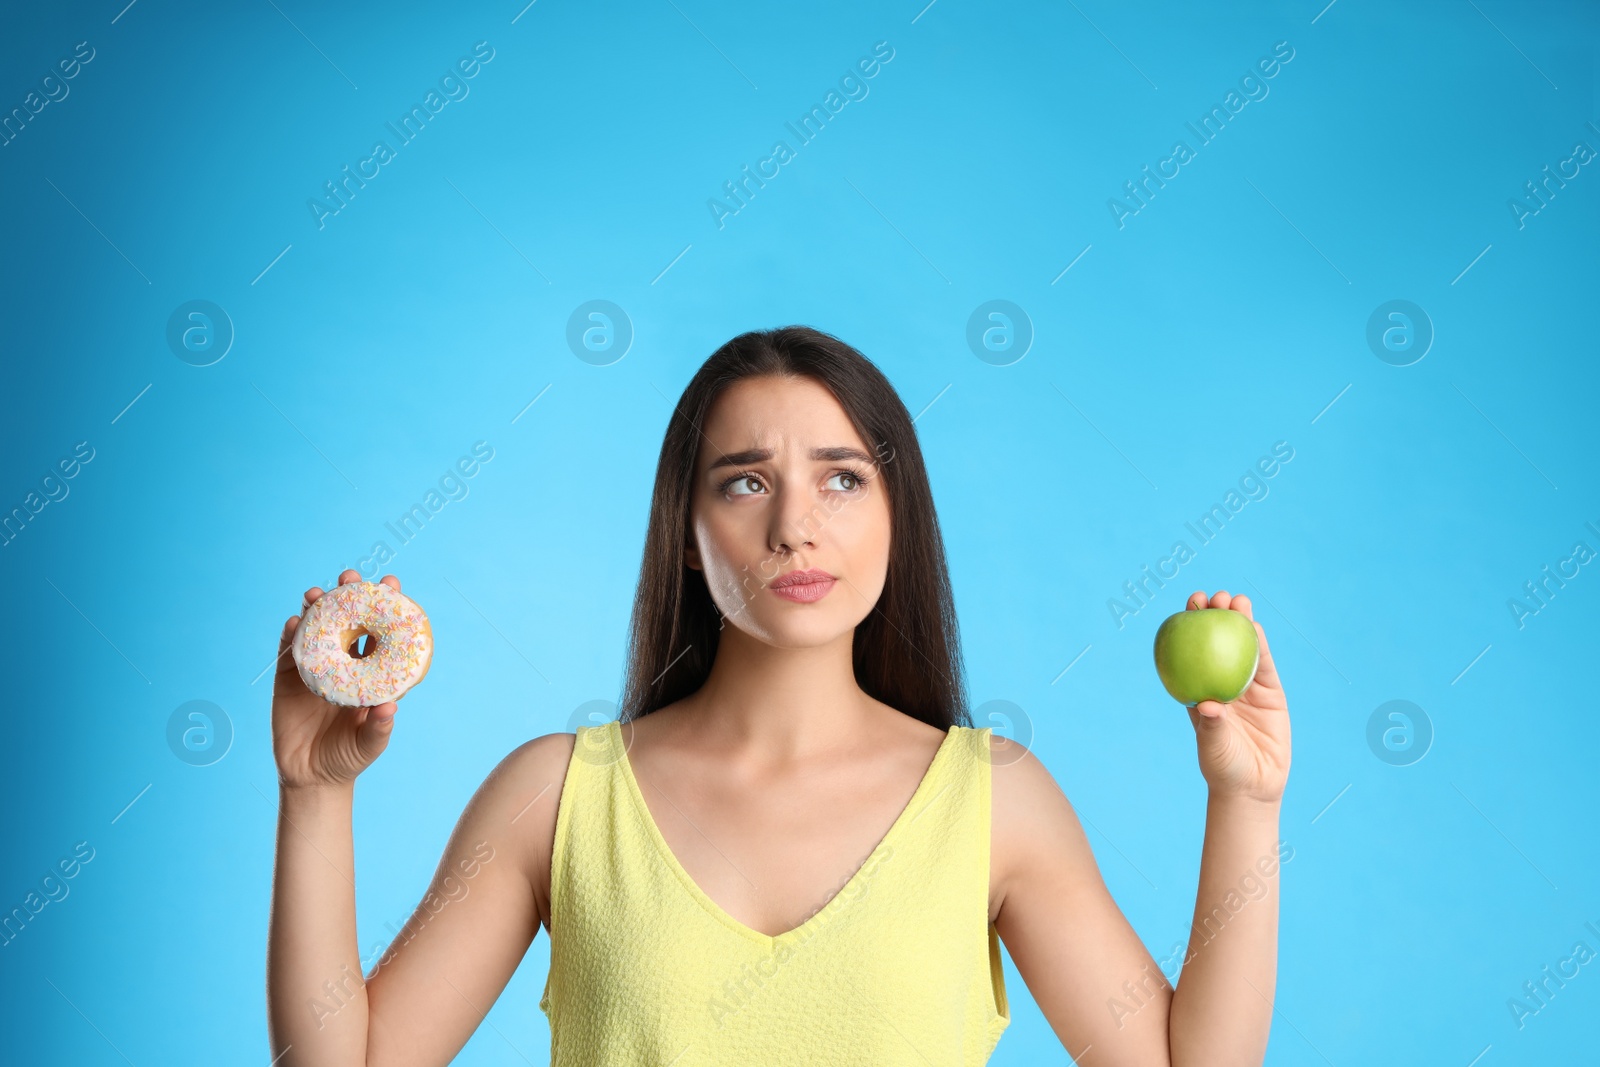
x=779 y=704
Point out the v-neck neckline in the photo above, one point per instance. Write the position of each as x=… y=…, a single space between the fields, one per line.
x=821 y=915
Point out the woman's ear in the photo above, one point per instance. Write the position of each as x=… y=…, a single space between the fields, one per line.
x=691 y=556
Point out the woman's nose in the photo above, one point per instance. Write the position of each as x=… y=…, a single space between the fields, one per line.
x=797 y=520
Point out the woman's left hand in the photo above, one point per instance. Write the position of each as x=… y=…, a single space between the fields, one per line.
x=1244 y=745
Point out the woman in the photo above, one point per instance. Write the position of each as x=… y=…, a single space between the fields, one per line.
x=791 y=847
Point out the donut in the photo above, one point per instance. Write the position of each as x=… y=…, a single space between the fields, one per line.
x=401 y=645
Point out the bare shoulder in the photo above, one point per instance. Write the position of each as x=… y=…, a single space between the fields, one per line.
x=1022 y=785
x=1035 y=832
x=542 y=759
x=517 y=804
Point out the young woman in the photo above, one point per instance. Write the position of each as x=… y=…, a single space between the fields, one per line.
x=791 y=847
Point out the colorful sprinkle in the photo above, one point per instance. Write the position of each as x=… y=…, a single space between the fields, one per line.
x=403 y=645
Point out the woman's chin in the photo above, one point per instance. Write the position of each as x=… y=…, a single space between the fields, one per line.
x=785 y=627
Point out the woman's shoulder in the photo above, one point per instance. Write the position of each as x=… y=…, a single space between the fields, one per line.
x=523 y=789
x=1026 y=796
x=1036 y=835
x=540 y=761
x=519 y=799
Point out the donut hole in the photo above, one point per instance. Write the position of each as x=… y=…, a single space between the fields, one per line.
x=363 y=644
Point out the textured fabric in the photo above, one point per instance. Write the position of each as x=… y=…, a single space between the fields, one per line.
x=900 y=967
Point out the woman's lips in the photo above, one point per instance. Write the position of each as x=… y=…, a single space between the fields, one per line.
x=804 y=587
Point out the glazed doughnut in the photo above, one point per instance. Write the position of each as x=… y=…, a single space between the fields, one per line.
x=401 y=645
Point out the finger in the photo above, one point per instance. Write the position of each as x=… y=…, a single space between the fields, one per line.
x=311 y=597
x=391 y=581
x=348 y=575
x=372 y=736
x=1209 y=710
x=1197 y=600
x=1266 y=670
x=285 y=662
x=1241 y=604
x=1220 y=599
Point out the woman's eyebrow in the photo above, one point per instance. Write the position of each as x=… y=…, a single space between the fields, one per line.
x=756 y=455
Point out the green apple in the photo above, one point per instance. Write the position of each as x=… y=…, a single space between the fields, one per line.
x=1206 y=654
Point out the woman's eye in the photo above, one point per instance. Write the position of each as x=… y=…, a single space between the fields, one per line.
x=750 y=484
x=854 y=482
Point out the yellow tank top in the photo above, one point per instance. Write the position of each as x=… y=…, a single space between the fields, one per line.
x=900 y=967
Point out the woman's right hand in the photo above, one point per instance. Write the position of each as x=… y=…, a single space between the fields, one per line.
x=317 y=743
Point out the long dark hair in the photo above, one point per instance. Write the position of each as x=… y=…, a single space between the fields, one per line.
x=907 y=651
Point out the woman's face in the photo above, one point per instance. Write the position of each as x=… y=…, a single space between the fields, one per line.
x=783 y=483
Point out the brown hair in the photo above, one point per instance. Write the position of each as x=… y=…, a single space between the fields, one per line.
x=907 y=650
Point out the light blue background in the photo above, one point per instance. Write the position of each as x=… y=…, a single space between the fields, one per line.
x=1230 y=313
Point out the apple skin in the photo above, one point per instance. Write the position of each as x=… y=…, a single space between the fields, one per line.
x=1206 y=654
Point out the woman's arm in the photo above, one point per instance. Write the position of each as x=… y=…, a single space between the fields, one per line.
x=1222 y=1009
x=1100 y=989
x=448 y=964
x=312 y=932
